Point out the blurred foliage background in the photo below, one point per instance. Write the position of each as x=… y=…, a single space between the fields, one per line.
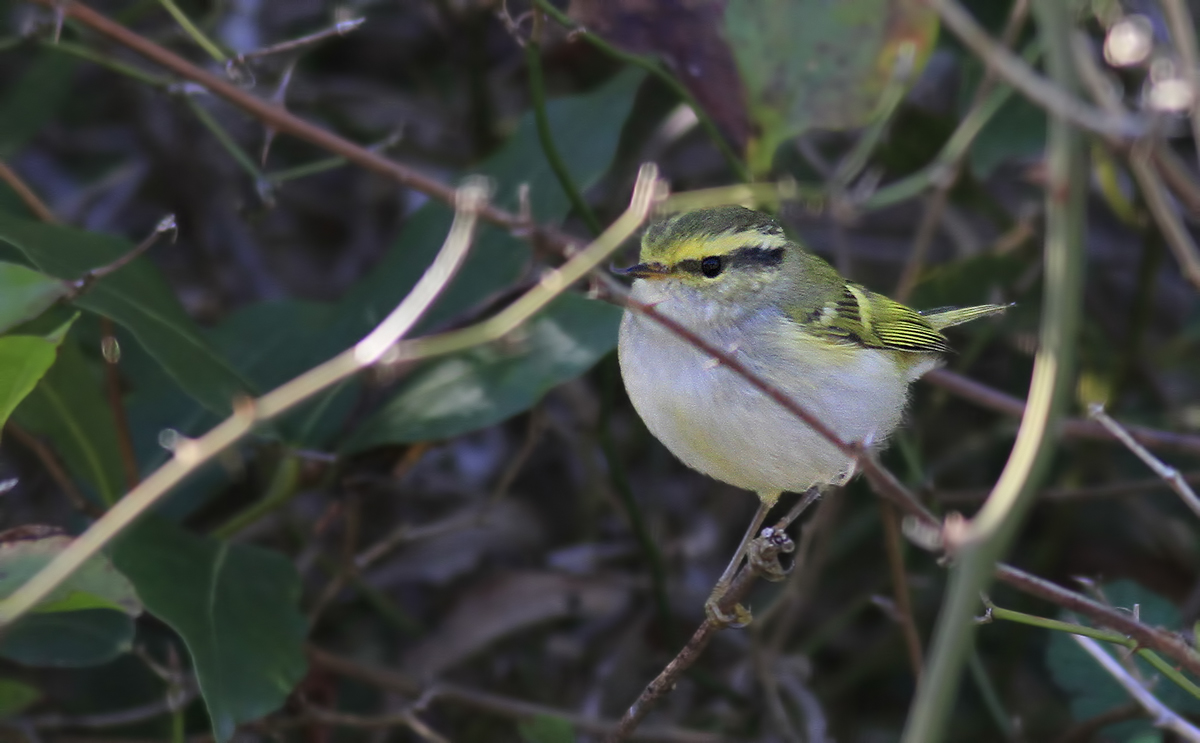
x=489 y=546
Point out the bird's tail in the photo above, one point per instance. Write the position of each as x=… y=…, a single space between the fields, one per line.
x=944 y=317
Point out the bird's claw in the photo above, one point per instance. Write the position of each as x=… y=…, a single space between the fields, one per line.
x=763 y=554
x=739 y=618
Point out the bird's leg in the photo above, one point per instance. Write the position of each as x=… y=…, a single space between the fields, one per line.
x=741 y=616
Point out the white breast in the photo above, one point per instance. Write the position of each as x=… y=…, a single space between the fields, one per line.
x=717 y=423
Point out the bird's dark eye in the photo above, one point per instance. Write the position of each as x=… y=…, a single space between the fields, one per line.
x=711 y=266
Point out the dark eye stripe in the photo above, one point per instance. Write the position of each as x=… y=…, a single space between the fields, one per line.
x=750 y=257
x=758 y=255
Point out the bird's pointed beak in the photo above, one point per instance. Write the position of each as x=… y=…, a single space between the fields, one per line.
x=644 y=271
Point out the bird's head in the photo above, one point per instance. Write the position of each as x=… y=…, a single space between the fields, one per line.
x=727 y=255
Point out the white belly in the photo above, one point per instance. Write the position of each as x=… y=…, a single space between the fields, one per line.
x=715 y=422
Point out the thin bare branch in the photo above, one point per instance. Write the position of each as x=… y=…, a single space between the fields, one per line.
x=1076 y=428
x=1168 y=643
x=495 y=703
x=50 y=462
x=117 y=718
x=904 y=610
x=26 y=194
x=1014 y=71
x=341 y=28
x=1158 y=201
x=407 y=719
x=1183 y=34
x=1161 y=715
x=1172 y=476
x=767 y=548
x=280 y=119
x=85 y=282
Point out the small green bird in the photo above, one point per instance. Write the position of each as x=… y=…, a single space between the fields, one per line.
x=842 y=351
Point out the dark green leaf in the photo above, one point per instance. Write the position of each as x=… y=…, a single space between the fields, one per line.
x=968 y=281
x=15 y=697
x=69 y=409
x=25 y=294
x=1093 y=691
x=136 y=297
x=1017 y=131
x=71 y=639
x=234 y=605
x=815 y=64
x=486 y=385
x=270 y=343
x=84 y=622
x=587 y=129
x=96 y=585
x=29 y=104
x=545 y=729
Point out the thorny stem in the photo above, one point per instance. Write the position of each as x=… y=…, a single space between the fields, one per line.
x=978 y=544
x=997 y=613
x=339 y=29
x=280 y=119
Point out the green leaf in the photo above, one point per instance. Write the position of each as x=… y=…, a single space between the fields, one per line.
x=236 y=608
x=70 y=639
x=586 y=128
x=15 y=697
x=23 y=361
x=96 y=585
x=69 y=409
x=29 y=104
x=25 y=294
x=85 y=621
x=1092 y=691
x=270 y=343
x=486 y=385
x=1016 y=131
x=137 y=298
x=968 y=281
x=816 y=64
x=276 y=342
x=546 y=729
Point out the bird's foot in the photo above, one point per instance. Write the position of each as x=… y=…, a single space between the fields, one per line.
x=763 y=558
x=738 y=618
x=763 y=554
